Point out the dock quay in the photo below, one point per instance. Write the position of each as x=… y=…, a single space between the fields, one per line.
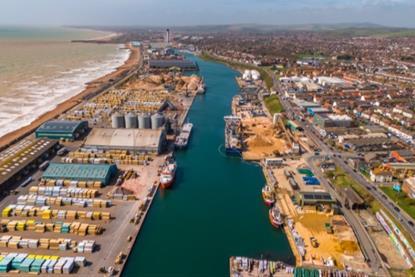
x=249 y=267
x=68 y=194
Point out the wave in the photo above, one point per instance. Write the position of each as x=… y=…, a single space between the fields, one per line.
x=35 y=97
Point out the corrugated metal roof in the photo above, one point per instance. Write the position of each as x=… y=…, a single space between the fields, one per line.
x=60 y=126
x=78 y=171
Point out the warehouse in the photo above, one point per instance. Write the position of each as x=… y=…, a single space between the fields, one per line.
x=80 y=172
x=23 y=157
x=332 y=120
x=351 y=199
x=314 y=198
x=62 y=129
x=185 y=65
x=135 y=140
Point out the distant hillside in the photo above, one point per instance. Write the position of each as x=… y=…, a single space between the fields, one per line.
x=340 y=29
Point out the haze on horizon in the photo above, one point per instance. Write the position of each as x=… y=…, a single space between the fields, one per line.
x=201 y=12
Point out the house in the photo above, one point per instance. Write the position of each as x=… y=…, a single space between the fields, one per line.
x=327 y=166
x=378 y=175
x=409 y=187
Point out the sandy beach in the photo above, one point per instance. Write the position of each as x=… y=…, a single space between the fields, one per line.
x=91 y=88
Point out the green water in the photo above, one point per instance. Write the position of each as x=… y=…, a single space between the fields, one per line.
x=214 y=209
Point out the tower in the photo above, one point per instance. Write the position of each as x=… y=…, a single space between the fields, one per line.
x=167 y=38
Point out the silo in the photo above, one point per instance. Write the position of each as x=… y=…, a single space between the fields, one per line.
x=157 y=121
x=144 y=121
x=117 y=120
x=140 y=119
x=131 y=121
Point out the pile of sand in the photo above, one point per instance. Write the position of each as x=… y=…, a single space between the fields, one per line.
x=259 y=141
x=134 y=186
x=349 y=247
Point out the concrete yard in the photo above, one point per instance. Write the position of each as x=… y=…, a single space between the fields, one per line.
x=121 y=226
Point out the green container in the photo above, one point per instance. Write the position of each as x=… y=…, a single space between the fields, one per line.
x=305 y=171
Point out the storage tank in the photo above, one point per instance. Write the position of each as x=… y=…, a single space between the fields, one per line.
x=131 y=121
x=117 y=120
x=144 y=121
x=157 y=121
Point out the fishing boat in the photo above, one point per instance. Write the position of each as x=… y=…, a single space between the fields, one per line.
x=168 y=173
x=268 y=195
x=275 y=217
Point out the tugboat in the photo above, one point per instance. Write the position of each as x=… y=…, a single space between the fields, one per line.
x=268 y=195
x=168 y=173
x=275 y=217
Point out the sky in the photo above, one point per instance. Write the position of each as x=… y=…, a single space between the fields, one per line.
x=205 y=12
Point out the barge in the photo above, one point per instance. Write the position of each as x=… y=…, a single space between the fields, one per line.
x=182 y=139
x=233 y=135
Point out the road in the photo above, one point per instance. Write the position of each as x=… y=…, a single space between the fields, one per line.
x=366 y=243
x=387 y=203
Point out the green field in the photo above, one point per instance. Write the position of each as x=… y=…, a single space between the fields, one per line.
x=273 y=104
x=242 y=66
x=407 y=204
x=341 y=180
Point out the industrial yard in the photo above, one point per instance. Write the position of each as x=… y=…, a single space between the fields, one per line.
x=90 y=175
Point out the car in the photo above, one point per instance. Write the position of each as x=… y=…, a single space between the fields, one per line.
x=396 y=209
x=411 y=223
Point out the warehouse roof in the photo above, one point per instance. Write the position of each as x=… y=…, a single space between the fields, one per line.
x=60 y=126
x=125 y=138
x=63 y=171
x=316 y=196
x=21 y=154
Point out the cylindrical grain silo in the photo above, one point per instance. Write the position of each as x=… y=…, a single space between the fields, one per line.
x=157 y=121
x=131 y=121
x=117 y=120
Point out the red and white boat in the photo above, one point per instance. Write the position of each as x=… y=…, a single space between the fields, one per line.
x=275 y=217
x=268 y=195
x=168 y=173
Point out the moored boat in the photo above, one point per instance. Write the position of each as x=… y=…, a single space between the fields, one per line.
x=183 y=139
x=275 y=217
x=268 y=195
x=168 y=173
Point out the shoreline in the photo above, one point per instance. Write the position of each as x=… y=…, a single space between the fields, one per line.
x=91 y=88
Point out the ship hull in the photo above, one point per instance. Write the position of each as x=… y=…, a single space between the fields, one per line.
x=276 y=224
x=268 y=201
x=166 y=185
x=233 y=152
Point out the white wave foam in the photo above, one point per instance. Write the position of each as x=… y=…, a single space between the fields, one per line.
x=36 y=98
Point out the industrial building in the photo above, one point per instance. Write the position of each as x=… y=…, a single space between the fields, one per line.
x=314 y=198
x=331 y=120
x=135 y=140
x=184 y=65
x=62 y=129
x=80 y=172
x=304 y=105
x=352 y=199
x=23 y=157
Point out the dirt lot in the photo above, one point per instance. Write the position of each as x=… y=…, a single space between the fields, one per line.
x=262 y=140
x=388 y=252
x=341 y=246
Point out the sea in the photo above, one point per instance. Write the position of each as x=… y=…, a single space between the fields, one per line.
x=40 y=67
